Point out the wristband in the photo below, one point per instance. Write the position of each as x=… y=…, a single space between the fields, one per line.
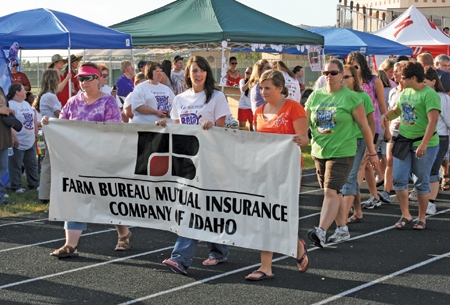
x=373 y=155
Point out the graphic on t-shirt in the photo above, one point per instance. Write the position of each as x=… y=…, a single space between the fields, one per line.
x=163 y=102
x=28 y=122
x=190 y=118
x=409 y=117
x=279 y=121
x=325 y=120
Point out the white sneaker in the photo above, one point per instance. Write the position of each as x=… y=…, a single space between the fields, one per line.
x=412 y=196
x=371 y=203
x=20 y=191
x=317 y=236
x=431 y=209
x=340 y=234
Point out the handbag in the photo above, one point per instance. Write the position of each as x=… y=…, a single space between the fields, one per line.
x=402 y=146
x=11 y=121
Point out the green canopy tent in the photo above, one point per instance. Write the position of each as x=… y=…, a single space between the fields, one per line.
x=206 y=23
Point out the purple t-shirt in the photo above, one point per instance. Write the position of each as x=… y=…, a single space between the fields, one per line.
x=124 y=86
x=104 y=109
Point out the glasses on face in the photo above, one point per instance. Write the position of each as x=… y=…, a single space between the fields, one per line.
x=15 y=65
x=356 y=67
x=347 y=76
x=248 y=72
x=105 y=75
x=234 y=63
x=88 y=78
x=333 y=73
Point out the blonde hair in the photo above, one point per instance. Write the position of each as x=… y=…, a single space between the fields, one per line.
x=256 y=72
x=124 y=65
x=387 y=64
x=140 y=76
x=279 y=65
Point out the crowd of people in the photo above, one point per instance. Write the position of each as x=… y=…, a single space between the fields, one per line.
x=387 y=128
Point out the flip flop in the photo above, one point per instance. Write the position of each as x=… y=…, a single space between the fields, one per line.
x=402 y=220
x=215 y=261
x=419 y=223
x=174 y=266
x=263 y=276
x=305 y=255
x=354 y=219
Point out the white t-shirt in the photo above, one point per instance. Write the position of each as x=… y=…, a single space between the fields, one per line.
x=244 y=101
x=48 y=104
x=190 y=108
x=158 y=97
x=128 y=102
x=444 y=116
x=320 y=82
x=177 y=81
x=25 y=114
x=293 y=87
x=108 y=89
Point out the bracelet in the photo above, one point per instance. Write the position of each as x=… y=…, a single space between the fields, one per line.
x=373 y=155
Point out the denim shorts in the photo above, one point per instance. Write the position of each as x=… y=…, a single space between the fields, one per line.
x=351 y=187
x=71 y=225
x=421 y=168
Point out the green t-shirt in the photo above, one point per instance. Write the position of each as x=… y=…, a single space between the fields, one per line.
x=332 y=125
x=368 y=107
x=414 y=106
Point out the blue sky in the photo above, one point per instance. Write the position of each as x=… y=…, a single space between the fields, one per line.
x=309 y=12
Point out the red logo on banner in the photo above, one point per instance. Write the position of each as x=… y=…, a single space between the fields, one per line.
x=433 y=26
x=403 y=24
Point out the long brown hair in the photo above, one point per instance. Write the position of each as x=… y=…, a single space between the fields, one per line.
x=356 y=83
x=203 y=64
x=49 y=83
x=431 y=74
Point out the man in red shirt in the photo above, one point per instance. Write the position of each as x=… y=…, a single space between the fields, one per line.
x=19 y=77
x=63 y=87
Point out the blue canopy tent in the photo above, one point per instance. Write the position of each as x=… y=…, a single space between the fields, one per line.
x=342 y=41
x=48 y=29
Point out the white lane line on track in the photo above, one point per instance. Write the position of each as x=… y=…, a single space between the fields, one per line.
x=382 y=279
x=22 y=222
x=257 y=265
x=82 y=268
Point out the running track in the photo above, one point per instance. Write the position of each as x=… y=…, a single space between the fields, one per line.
x=379 y=265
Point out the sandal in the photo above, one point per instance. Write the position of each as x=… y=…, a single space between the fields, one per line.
x=174 y=266
x=212 y=261
x=402 y=223
x=123 y=244
x=301 y=242
x=445 y=185
x=65 y=251
x=419 y=225
x=353 y=219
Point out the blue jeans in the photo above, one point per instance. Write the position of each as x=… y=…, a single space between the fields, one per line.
x=27 y=158
x=184 y=251
x=443 y=149
x=351 y=187
x=72 y=225
x=421 y=168
x=3 y=167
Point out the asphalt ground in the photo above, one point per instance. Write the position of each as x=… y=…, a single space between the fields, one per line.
x=378 y=265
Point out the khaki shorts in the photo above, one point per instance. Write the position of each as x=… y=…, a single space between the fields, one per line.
x=333 y=173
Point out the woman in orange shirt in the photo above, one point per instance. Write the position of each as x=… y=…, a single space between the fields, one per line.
x=284 y=116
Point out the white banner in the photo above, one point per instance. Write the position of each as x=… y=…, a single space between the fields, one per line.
x=222 y=185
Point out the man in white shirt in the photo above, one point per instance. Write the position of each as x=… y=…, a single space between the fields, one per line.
x=177 y=75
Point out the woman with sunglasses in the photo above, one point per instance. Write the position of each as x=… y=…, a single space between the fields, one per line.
x=350 y=190
x=332 y=112
x=95 y=106
x=283 y=116
x=433 y=81
x=201 y=104
x=373 y=86
x=258 y=69
x=419 y=107
x=245 y=113
x=233 y=74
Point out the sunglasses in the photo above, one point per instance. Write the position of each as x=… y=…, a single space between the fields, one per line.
x=88 y=78
x=105 y=75
x=347 y=76
x=356 y=67
x=247 y=72
x=15 y=65
x=333 y=73
x=234 y=63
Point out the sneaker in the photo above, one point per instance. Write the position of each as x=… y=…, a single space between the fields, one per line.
x=431 y=209
x=384 y=196
x=412 y=196
x=340 y=234
x=372 y=203
x=20 y=191
x=317 y=236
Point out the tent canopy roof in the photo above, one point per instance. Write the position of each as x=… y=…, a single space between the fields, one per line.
x=48 y=29
x=188 y=22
